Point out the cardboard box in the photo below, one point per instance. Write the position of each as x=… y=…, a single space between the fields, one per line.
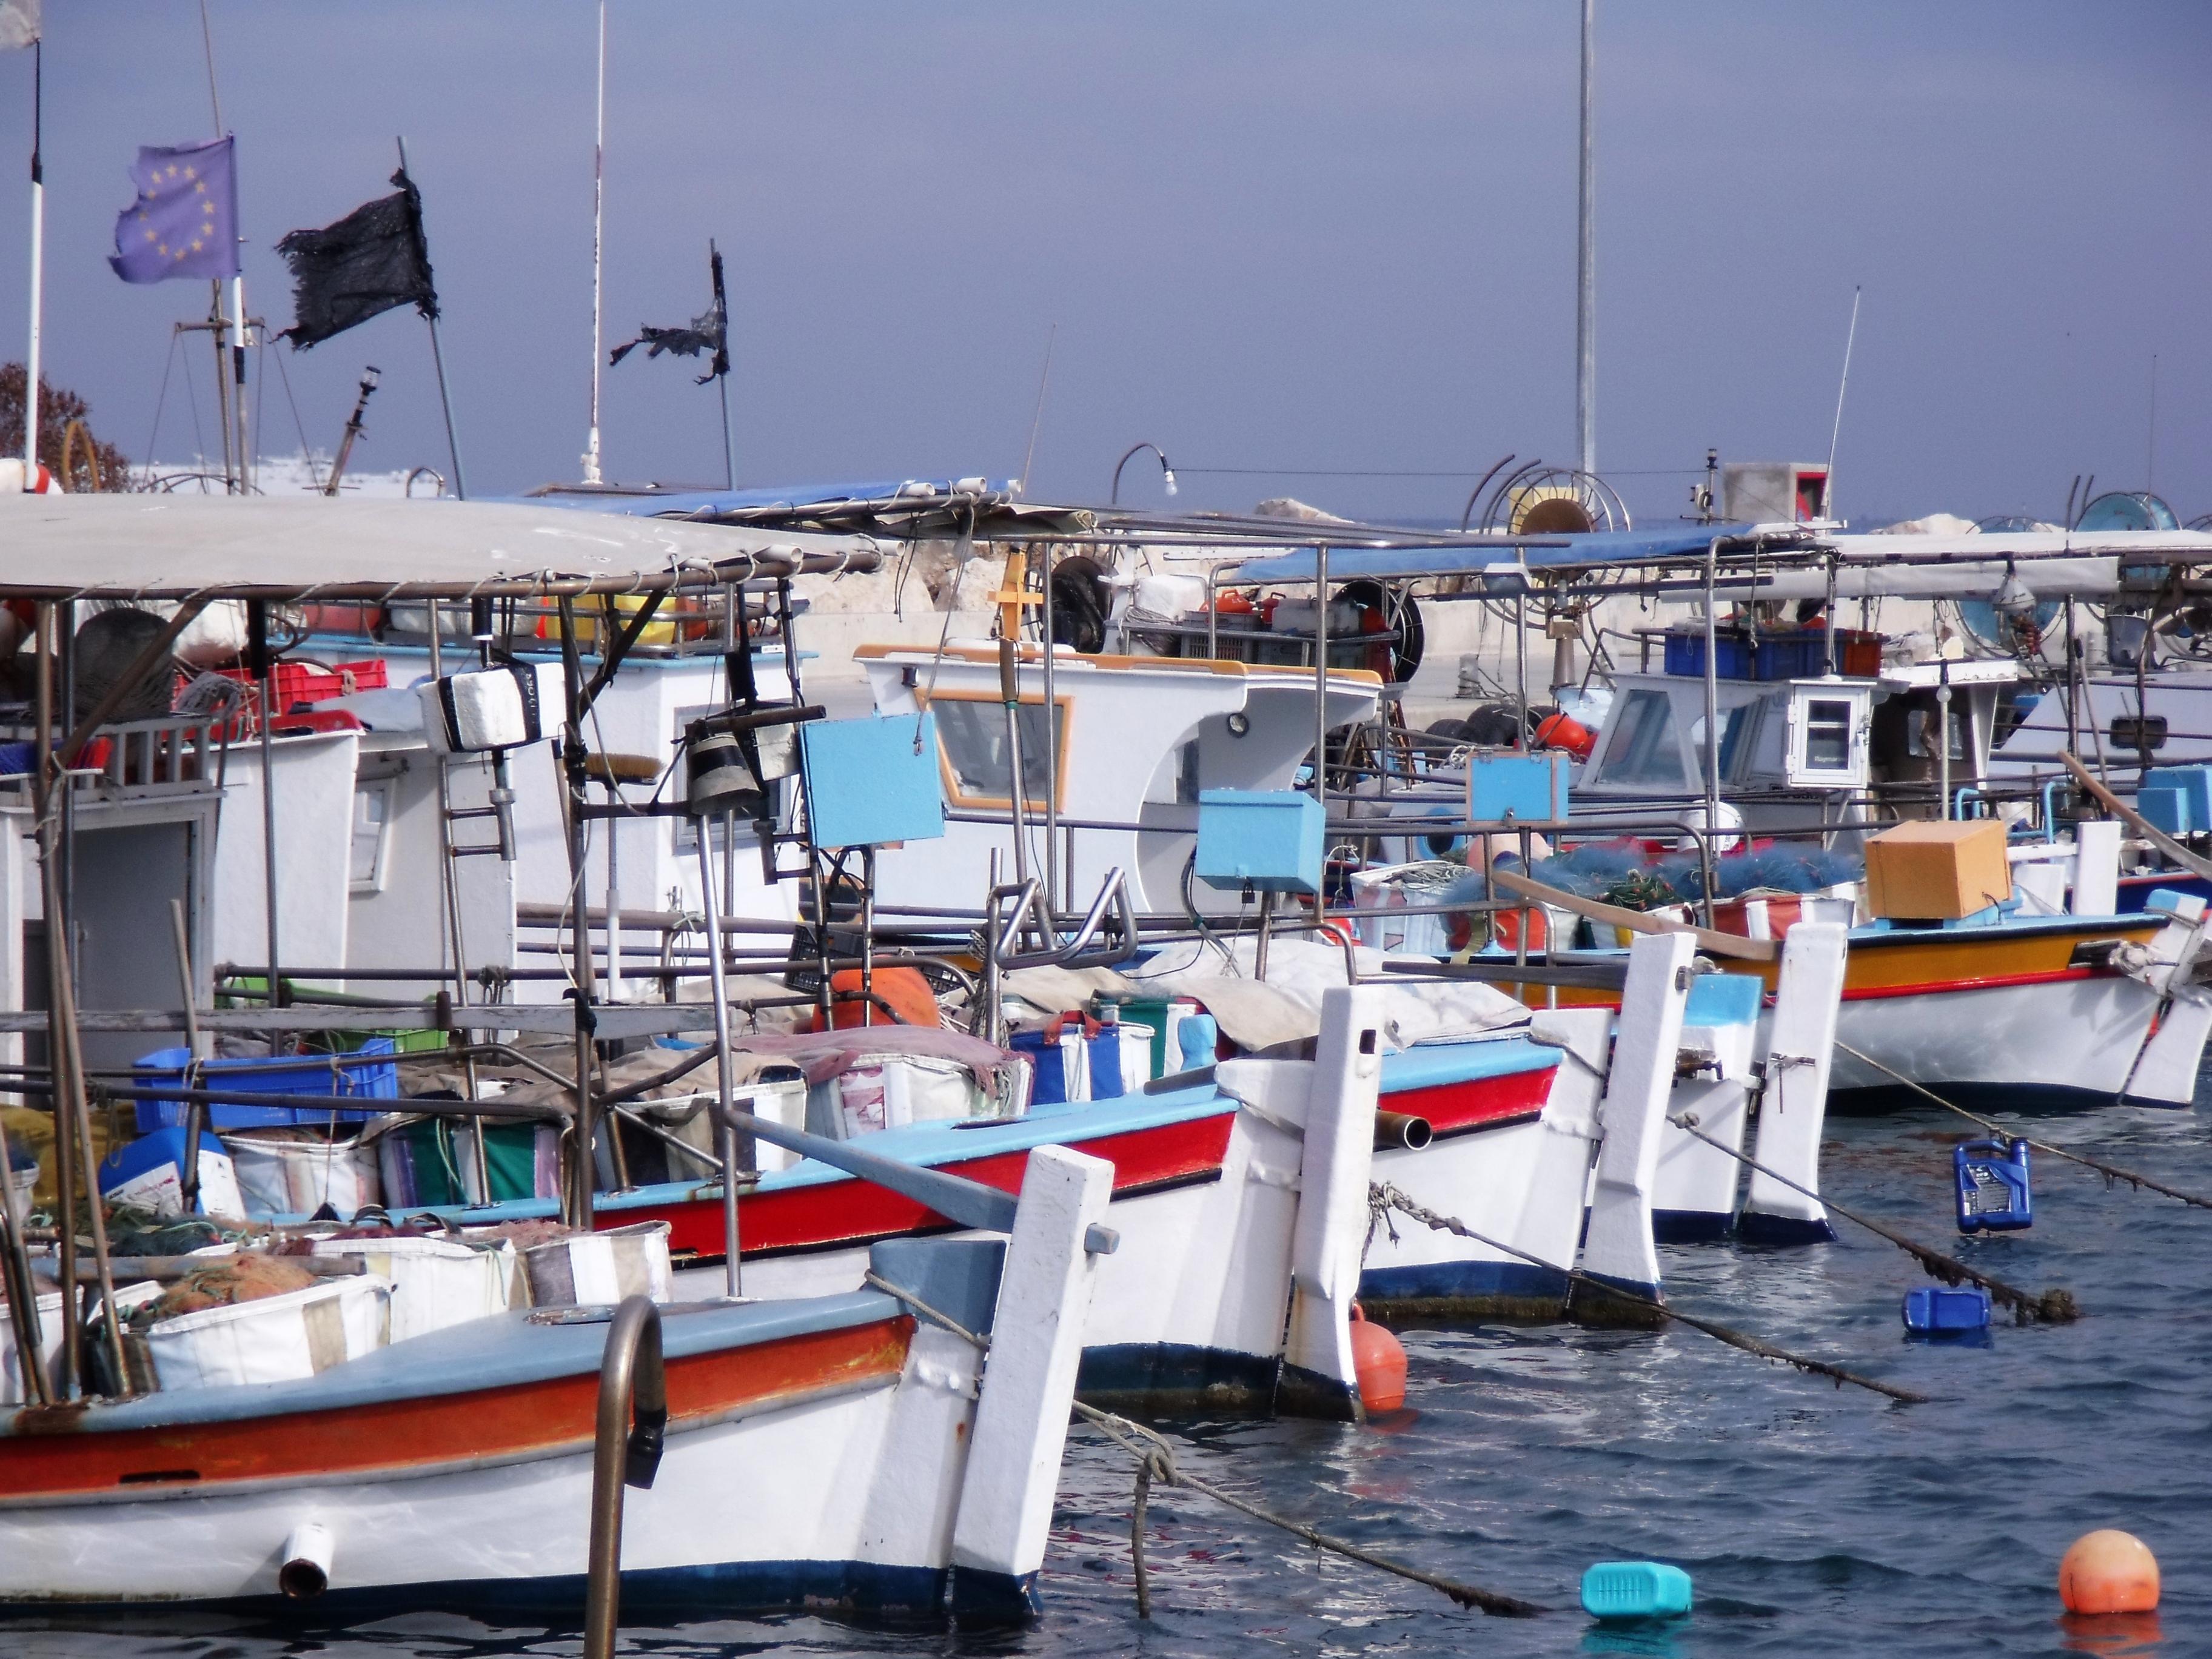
x=1927 y=869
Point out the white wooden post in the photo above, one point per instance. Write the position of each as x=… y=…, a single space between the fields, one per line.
x=2165 y=1071
x=2097 y=867
x=1617 y=1247
x=1800 y=1047
x=1028 y=1382
x=1333 y=1176
x=1564 y=1158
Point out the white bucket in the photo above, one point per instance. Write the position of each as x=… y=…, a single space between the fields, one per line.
x=293 y=1172
x=436 y=1282
x=277 y=1339
x=595 y=1268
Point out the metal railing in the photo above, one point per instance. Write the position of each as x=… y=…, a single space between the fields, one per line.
x=632 y=1428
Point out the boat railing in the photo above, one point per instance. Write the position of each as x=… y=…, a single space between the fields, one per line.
x=632 y=1429
x=167 y=755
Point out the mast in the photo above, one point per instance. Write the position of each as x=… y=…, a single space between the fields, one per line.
x=1586 y=274
x=37 y=272
x=598 y=227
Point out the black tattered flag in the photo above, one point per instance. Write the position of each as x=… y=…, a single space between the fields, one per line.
x=371 y=260
x=708 y=332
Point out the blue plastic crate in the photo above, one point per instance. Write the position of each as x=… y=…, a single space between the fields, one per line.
x=1529 y=788
x=1993 y=1186
x=1269 y=841
x=1942 y=1309
x=1635 y=1589
x=1685 y=655
x=296 y=1075
x=1801 y=655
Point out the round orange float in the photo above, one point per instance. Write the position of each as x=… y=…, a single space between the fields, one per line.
x=1378 y=1361
x=2108 y=1571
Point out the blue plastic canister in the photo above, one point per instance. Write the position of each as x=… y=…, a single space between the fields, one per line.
x=1938 y=1310
x=1993 y=1190
x=1635 y=1589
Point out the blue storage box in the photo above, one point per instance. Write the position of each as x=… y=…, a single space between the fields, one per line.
x=1801 y=655
x=2167 y=809
x=2195 y=783
x=297 y=1074
x=1685 y=655
x=1532 y=789
x=1941 y=1309
x=1724 y=1000
x=1269 y=841
x=1635 y=1589
x=1993 y=1189
x=872 y=781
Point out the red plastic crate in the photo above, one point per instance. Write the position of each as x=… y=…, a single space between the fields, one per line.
x=297 y=683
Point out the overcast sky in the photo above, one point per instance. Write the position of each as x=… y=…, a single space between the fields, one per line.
x=1277 y=235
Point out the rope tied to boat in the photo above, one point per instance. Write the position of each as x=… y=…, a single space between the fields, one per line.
x=1382 y=1197
x=2112 y=1172
x=1156 y=1461
x=2055 y=1306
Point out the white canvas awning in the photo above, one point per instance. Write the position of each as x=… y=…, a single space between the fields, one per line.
x=173 y=547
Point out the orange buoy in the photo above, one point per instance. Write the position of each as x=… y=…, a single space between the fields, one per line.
x=2108 y=1571
x=1565 y=731
x=1378 y=1361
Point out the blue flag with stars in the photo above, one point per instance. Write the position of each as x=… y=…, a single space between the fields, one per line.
x=184 y=223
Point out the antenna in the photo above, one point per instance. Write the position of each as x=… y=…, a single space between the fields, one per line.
x=2150 y=465
x=1836 y=432
x=1586 y=272
x=1037 y=420
x=599 y=226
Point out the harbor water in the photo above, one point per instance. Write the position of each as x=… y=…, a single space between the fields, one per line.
x=1814 y=1520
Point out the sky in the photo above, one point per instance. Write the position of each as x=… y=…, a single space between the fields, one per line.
x=1304 y=248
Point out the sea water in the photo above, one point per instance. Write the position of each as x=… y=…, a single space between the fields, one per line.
x=1814 y=1519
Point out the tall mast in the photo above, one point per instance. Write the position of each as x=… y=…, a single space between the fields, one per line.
x=1586 y=276
x=598 y=224
x=37 y=273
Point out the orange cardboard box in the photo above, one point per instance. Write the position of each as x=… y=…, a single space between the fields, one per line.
x=1927 y=869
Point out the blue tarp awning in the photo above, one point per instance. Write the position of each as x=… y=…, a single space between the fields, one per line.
x=1474 y=558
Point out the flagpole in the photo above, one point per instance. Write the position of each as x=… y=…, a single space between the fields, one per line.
x=599 y=225
x=722 y=380
x=438 y=358
x=38 y=271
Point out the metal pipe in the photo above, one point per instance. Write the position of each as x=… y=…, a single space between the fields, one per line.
x=725 y=1134
x=630 y=1431
x=1052 y=890
x=189 y=1176
x=1586 y=265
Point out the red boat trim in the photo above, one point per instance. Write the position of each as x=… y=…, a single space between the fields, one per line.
x=1981 y=982
x=846 y=1214
x=1489 y=1102
x=402 y=1439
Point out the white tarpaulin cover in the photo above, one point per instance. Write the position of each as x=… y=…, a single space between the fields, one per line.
x=170 y=546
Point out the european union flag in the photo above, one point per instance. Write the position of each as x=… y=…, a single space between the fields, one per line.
x=184 y=223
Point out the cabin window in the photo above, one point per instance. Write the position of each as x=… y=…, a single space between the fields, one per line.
x=1739 y=726
x=1643 y=750
x=971 y=736
x=372 y=822
x=1827 y=734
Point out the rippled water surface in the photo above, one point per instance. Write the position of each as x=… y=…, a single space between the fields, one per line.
x=1813 y=1520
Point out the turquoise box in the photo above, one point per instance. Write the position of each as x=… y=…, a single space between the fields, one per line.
x=872 y=781
x=1525 y=787
x=1270 y=841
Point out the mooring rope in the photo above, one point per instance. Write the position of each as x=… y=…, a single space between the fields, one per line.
x=1156 y=1461
x=2053 y=1307
x=1381 y=1198
x=2110 y=1172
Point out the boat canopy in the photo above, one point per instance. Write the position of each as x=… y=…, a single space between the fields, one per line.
x=295 y=550
x=1472 y=556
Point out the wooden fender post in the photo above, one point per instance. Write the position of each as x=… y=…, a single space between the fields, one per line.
x=2165 y=1071
x=1618 y=1247
x=1333 y=1176
x=1801 y=1045
x=1028 y=1382
x=1551 y=1225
